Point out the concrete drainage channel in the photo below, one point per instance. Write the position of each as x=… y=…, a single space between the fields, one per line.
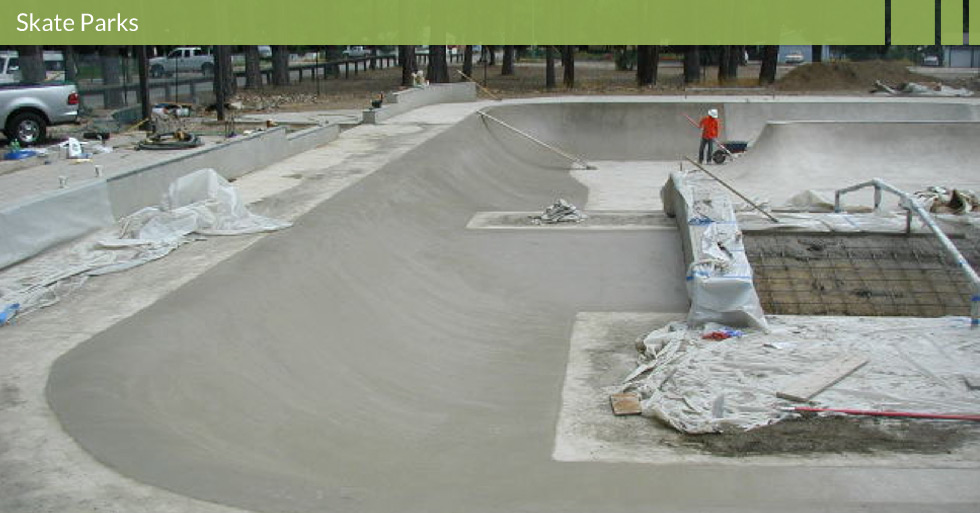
x=380 y=340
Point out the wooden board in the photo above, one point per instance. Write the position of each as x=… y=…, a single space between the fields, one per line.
x=626 y=404
x=972 y=381
x=809 y=385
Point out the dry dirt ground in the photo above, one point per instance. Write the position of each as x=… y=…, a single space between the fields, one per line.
x=591 y=78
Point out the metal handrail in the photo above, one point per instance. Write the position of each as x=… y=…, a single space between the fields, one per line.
x=913 y=206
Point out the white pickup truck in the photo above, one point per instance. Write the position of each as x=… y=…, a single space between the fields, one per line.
x=27 y=111
x=182 y=59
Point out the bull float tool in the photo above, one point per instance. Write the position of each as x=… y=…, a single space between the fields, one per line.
x=537 y=141
x=729 y=187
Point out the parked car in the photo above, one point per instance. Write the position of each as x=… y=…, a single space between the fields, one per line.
x=356 y=52
x=794 y=58
x=930 y=60
x=54 y=67
x=182 y=59
x=27 y=110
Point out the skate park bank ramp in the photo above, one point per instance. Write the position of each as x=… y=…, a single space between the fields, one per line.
x=789 y=157
x=379 y=356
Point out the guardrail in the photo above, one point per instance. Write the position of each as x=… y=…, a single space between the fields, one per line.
x=912 y=206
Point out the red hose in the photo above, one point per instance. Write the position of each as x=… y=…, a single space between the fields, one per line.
x=875 y=413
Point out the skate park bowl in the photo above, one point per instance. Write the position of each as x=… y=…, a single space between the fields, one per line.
x=380 y=356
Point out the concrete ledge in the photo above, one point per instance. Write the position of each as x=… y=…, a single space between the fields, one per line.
x=309 y=138
x=28 y=228
x=403 y=101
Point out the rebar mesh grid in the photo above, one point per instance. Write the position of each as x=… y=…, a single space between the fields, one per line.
x=858 y=275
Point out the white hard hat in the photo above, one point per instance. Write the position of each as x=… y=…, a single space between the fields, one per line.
x=713 y=113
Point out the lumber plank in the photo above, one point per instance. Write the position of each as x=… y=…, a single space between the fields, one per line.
x=626 y=404
x=809 y=385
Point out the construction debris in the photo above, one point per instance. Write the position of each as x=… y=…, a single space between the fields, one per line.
x=917 y=89
x=706 y=386
x=560 y=211
x=198 y=204
x=626 y=403
x=941 y=200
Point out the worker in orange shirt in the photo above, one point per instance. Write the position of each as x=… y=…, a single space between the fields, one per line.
x=709 y=132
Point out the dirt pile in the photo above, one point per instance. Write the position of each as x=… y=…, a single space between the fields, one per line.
x=847 y=76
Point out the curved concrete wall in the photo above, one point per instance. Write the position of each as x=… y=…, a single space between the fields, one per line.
x=376 y=341
x=792 y=156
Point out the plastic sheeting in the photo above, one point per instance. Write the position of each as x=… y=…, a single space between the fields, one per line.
x=561 y=211
x=198 y=204
x=699 y=385
x=719 y=277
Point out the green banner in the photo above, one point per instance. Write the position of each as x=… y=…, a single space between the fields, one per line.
x=952 y=22
x=913 y=22
x=383 y=22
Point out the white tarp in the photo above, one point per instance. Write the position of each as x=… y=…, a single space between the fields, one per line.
x=719 y=277
x=198 y=204
x=699 y=385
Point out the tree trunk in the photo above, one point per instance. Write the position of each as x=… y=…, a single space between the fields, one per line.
x=549 y=66
x=143 y=68
x=507 y=68
x=71 y=66
x=253 y=68
x=724 y=64
x=225 y=74
x=647 y=60
x=467 y=61
x=692 y=64
x=816 y=53
x=493 y=54
x=438 y=72
x=568 y=65
x=767 y=74
x=111 y=76
x=655 y=62
x=280 y=65
x=31 y=64
x=734 y=59
x=406 y=54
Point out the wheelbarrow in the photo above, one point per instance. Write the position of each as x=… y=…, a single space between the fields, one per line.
x=728 y=150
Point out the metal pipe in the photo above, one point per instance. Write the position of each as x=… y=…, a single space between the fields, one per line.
x=573 y=158
x=879 y=413
x=909 y=203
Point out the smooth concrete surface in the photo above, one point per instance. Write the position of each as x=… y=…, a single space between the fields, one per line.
x=379 y=356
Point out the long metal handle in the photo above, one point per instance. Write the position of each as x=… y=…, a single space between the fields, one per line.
x=572 y=158
x=729 y=187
